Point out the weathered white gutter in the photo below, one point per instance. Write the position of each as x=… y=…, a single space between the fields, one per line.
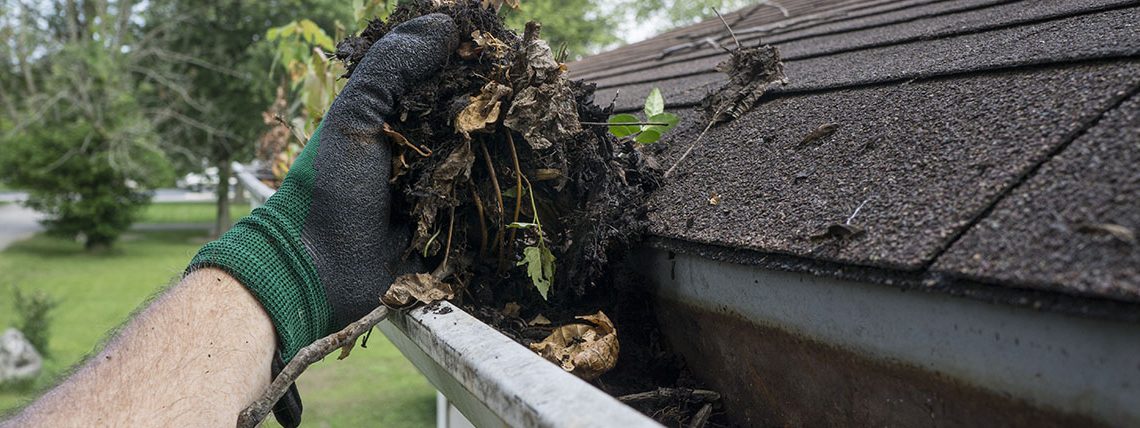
x=488 y=377
x=898 y=348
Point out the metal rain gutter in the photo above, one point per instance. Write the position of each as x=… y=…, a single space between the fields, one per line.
x=491 y=379
x=1078 y=366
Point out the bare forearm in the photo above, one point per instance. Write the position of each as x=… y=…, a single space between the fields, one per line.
x=195 y=357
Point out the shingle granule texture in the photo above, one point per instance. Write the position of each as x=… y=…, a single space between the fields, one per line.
x=1034 y=237
x=1039 y=43
x=982 y=137
x=928 y=157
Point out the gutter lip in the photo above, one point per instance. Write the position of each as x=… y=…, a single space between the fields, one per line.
x=518 y=386
x=246 y=178
x=515 y=384
x=912 y=280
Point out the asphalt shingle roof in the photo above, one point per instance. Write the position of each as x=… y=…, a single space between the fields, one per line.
x=980 y=134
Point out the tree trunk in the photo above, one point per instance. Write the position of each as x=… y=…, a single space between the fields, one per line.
x=222 y=221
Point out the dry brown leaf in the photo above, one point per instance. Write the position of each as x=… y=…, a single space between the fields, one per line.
x=468 y=51
x=455 y=169
x=399 y=166
x=483 y=110
x=714 y=198
x=496 y=4
x=585 y=350
x=511 y=309
x=489 y=44
x=538 y=320
x=416 y=287
x=544 y=174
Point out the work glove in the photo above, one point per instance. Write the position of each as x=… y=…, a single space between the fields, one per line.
x=320 y=252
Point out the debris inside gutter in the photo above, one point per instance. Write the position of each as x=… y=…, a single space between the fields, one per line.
x=524 y=214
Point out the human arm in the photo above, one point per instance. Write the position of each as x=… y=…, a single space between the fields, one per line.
x=195 y=356
x=315 y=257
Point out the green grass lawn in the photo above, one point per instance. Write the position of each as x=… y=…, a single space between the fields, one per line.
x=373 y=387
x=188 y=212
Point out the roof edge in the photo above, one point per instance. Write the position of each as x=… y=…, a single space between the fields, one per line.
x=918 y=280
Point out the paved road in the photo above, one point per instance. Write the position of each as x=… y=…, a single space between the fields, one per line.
x=16 y=223
x=160 y=196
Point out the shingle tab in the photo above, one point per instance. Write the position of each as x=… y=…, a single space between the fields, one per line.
x=842 y=20
x=942 y=109
x=1109 y=34
x=1045 y=234
x=927 y=156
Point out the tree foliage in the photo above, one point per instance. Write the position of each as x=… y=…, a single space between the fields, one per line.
x=580 y=26
x=74 y=134
x=678 y=13
x=218 y=50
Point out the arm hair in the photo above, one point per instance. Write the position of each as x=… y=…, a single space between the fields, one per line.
x=196 y=356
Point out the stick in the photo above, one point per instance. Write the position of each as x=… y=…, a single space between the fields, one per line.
x=729 y=27
x=258 y=410
x=860 y=207
x=498 y=243
x=299 y=135
x=692 y=395
x=690 y=150
x=482 y=218
x=702 y=417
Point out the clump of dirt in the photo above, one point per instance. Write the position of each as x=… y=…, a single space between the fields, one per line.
x=524 y=212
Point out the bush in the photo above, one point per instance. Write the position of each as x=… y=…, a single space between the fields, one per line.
x=34 y=317
x=90 y=165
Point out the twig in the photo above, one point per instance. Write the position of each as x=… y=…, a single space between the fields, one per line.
x=702 y=417
x=299 y=135
x=712 y=122
x=450 y=230
x=848 y=222
x=482 y=218
x=498 y=196
x=624 y=123
x=308 y=355
x=692 y=395
x=729 y=27
x=518 y=186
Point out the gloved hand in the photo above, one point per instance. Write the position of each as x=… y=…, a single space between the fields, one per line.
x=320 y=252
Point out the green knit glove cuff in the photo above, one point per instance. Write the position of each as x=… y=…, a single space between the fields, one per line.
x=264 y=252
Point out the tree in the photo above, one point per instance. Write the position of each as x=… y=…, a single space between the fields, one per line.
x=580 y=26
x=684 y=12
x=218 y=49
x=73 y=133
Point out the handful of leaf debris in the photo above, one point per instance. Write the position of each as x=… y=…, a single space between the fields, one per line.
x=510 y=198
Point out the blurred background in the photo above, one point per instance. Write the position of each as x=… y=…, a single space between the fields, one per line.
x=119 y=123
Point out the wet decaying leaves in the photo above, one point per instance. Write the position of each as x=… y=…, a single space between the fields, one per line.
x=509 y=198
x=522 y=215
x=751 y=71
x=586 y=350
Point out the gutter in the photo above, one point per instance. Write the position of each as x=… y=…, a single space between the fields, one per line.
x=489 y=378
x=802 y=349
